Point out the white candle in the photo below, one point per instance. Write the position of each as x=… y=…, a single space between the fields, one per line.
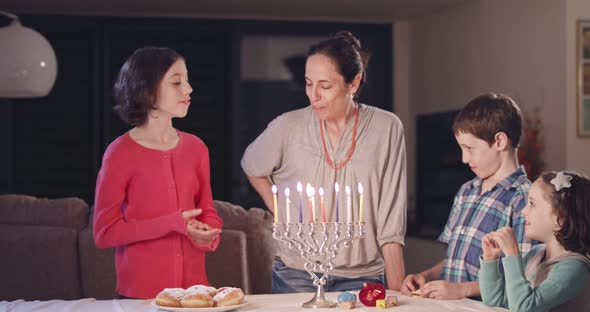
x=337 y=189
x=288 y=204
x=274 y=199
x=360 y=188
x=300 y=190
x=348 y=204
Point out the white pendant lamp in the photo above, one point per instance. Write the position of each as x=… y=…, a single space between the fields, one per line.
x=28 y=66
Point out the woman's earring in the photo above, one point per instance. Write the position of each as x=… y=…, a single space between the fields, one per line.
x=155 y=117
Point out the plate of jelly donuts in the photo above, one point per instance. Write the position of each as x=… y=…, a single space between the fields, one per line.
x=200 y=298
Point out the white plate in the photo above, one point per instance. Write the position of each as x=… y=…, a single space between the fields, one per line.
x=212 y=309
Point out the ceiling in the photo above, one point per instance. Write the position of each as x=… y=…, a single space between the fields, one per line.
x=349 y=10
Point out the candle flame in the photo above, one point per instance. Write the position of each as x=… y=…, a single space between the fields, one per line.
x=336 y=187
x=360 y=187
x=274 y=189
x=299 y=187
x=310 y=191
x=287 y=192
x=347 y=189
x=321 y=191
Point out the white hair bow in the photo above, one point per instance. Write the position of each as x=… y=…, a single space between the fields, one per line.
x=561 y=180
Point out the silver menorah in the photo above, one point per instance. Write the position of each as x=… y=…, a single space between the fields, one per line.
x=318 y=244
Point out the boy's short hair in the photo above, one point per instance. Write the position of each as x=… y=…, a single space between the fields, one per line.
x=489 y=114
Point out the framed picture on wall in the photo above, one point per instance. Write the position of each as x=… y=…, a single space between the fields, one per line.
x=583 y=97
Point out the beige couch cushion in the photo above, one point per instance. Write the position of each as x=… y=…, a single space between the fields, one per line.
x=38 y=262
x=228 y=265
x=97 y=268
x=23 y=209
x=257 y=223
x=39 y=243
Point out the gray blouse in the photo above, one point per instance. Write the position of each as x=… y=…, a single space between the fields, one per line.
x=291 y=150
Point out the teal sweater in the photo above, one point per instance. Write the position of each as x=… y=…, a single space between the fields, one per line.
x=542 y=286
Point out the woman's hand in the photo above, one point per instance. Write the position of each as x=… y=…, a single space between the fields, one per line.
x=504 y=238
x=491 y=250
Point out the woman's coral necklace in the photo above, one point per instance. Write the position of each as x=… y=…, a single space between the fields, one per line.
x=350 y=150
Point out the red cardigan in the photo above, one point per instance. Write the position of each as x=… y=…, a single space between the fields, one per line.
x=140 y=196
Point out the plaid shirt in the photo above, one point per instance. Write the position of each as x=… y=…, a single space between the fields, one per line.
x=474 y=215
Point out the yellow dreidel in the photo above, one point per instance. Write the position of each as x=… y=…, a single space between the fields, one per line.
x=380 y=304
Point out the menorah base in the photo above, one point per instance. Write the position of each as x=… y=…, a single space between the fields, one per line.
x=319 y=300
x=318 y=244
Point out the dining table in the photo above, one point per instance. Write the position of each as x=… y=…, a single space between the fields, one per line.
x=253 y=303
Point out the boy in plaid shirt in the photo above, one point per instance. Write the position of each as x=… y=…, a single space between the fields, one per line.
x=488 y=131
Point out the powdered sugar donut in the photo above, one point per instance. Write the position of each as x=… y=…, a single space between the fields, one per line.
x=170 y=297
x=198 y=296
x=228 y=296
x=196 y=300
x=211 y=291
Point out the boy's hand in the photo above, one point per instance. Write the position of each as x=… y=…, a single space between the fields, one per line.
x=505 y=239
x=412 y=283
x=443 y=290
x=491 y=250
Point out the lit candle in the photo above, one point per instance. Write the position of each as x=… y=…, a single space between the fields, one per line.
x=337 y=189
x=288 y=204
x=300 y=190
x=274 y=199
x=348 y=204
x=323 y=207
x=309 y=191
x=314 y=214
x=360 y=187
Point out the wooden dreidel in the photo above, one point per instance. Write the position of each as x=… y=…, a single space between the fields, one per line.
x=346 y=300
x=346 y=305
x=391 y=301
x=380 y=304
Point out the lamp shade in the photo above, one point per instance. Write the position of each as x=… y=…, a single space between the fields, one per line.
x=28 y=66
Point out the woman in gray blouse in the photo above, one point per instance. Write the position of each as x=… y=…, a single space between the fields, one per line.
x=337 y=140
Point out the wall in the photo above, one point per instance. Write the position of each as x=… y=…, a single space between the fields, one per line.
x=401 y=99
x=513 y=47
x=578 y=149
x=262 y=56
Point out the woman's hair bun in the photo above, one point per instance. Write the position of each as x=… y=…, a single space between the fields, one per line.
x=350 y=38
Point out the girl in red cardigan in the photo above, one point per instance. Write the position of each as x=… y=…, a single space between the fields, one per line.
x=153 y=196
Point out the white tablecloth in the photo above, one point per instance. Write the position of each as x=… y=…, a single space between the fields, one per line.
x=257 y=303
